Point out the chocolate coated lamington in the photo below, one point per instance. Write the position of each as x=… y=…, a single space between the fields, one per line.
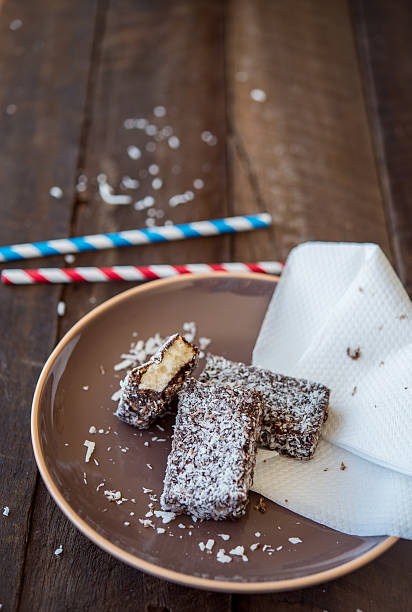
x=295 y=409
x=210 y=467
x=149 y=390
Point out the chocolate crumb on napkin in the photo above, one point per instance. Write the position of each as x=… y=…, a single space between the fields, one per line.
x=333 y=296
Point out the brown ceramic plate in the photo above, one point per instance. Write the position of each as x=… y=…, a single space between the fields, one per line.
x=73 y=393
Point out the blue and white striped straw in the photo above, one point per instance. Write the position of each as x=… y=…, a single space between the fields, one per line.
x=97 y=242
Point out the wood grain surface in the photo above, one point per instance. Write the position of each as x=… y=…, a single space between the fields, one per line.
x=43 y=81
x=327 y=154
x=385 y=45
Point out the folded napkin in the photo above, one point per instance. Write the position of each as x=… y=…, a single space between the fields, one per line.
x=340 y=316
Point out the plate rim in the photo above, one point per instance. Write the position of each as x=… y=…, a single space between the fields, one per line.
x=133 y=560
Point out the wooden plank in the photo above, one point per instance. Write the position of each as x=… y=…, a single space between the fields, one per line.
x=42 y=93
x=306 y=155
x=382 y=586
x=152 y=53
x=384 y=42
x=306 y=151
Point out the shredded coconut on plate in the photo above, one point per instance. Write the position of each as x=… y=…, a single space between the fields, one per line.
x=222 y=557
x=165 y=516
x=90 y=448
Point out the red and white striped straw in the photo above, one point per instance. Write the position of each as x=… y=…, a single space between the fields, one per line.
x=128 y=273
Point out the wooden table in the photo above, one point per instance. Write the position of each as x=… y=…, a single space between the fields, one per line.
x=328 y=153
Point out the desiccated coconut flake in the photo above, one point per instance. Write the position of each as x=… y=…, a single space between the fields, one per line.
x=149 y=466
x=15 y=24
x=85 y=387
x=173 y=142
x=134 y=152
x=254 y=546
x=181 y=526
x=92 y=429
x=159 y=111
x=222 y=557
x=166 y=517
x=113 y=495
x=295 y=540
x=61 y=309
x=202 y=546
x=198 y=183
x=56 y=192
x=279 y=548
x=147 y=490
x=239 y=550
x=59 y=550
x=258 y=95
x=258 y=534
x=160 y=530
x=209 y=544
x=126 y=523
x=90 y=448
x=6 y=511
x=224 y=536
x=157 y=183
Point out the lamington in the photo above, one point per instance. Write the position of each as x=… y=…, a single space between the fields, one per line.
x=210 y=467
x=149 y=390
x=295 y=409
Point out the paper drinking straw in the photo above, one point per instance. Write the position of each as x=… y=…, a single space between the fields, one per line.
x=128 y=273
x=166 y=233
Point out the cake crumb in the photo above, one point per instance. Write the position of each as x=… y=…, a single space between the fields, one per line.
x=342 y=466
x=146 y=523
x=354 y=390
x=353 y=354
x=261 y=506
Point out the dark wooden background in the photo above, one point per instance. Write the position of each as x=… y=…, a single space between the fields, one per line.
x=328 y=154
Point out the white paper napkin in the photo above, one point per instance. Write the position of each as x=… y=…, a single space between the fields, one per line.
x=340 y=316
